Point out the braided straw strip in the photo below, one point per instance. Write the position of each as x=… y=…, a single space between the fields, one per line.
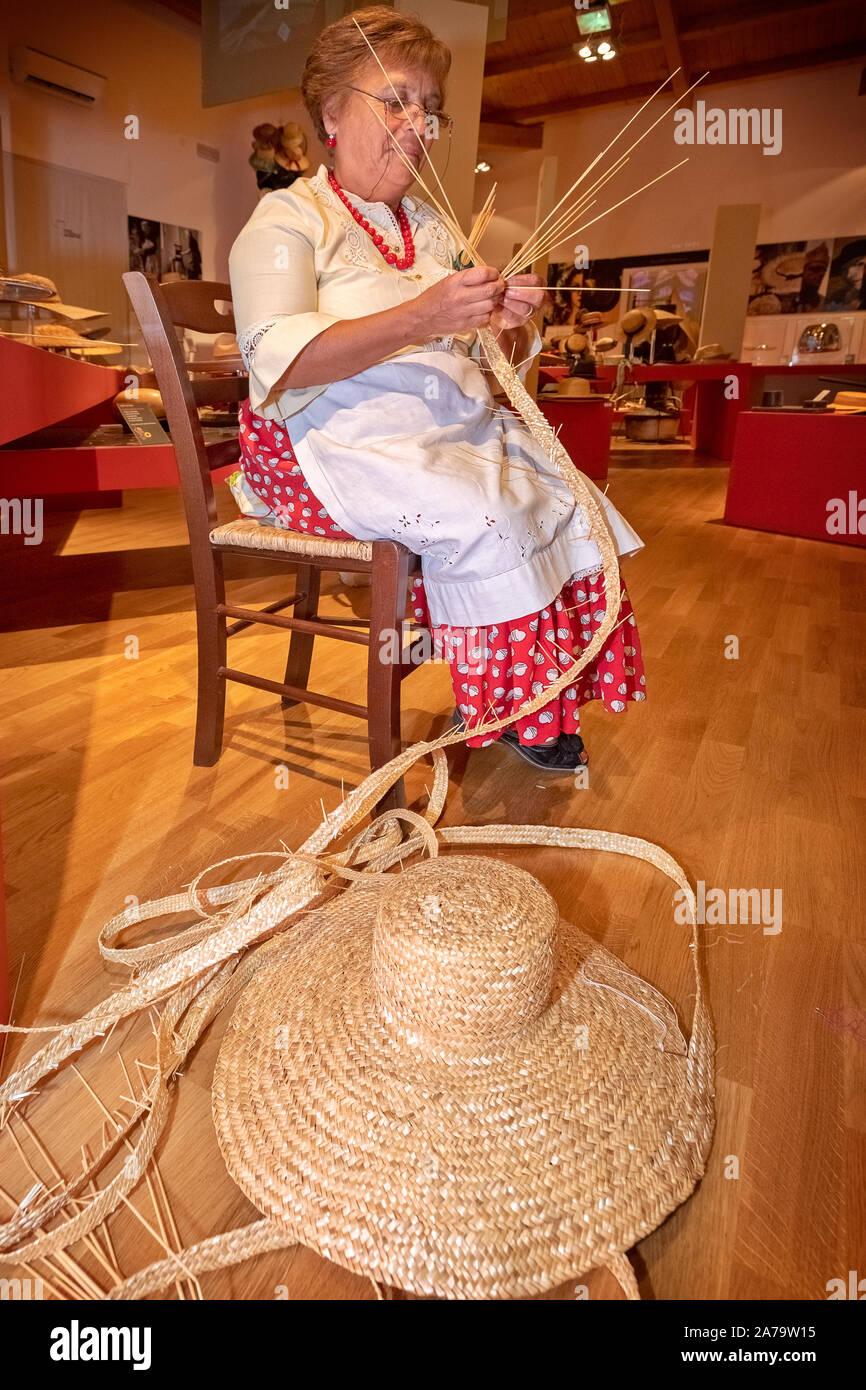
x=260 y=1238
x=219 y=1252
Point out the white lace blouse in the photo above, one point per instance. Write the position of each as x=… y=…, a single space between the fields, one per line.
x=302 y=263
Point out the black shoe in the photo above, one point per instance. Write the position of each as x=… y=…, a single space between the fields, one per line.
x=565 y=755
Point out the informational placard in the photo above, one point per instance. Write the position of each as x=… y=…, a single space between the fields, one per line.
x=144 y=424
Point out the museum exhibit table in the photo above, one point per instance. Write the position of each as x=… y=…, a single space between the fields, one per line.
x=800 y=473
x=584 y=424
x=5 y=1002
x=44 y=388
x=722 y=390
x=64 y=460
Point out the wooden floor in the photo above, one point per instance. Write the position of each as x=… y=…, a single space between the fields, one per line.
x=749 y=771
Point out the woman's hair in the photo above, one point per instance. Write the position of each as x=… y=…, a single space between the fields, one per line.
x=339 y=54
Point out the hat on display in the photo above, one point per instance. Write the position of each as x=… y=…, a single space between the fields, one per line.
x=61 y=336
x=573 y=386
x=24 y=288
x=637 y=327
x=444 y=1086
x=712 y=352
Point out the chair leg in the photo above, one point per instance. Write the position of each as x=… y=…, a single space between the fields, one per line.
x=387 y=610
x=211 y=633
x=301 y=643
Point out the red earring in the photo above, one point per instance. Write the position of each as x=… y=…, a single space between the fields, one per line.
x=331 y=141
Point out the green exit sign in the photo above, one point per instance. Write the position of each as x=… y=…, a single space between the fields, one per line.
x=594 y=21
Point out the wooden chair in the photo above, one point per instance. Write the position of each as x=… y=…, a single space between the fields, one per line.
x=161 y=309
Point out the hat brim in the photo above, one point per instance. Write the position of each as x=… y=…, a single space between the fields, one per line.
x=499 y=1176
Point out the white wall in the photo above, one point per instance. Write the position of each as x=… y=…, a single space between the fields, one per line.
x=515 y=173
x=152 y=61
x=463 y=27
x=816 y=186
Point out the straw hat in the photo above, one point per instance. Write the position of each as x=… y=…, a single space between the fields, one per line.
x=638 y=325
x=441 y=1085
x=575 y=386
x=25 y=288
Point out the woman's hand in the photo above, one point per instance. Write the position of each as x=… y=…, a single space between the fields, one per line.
x=523 y=295
x=463 y=301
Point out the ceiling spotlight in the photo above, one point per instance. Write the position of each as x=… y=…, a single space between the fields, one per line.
x=482 y=167
x=593 y=58
x=604 y=48
x=585 y=52
x=611 y=53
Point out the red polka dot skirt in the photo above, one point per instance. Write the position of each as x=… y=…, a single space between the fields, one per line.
x=497 y=668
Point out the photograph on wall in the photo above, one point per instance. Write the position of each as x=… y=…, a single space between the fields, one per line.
x=573 y=293
x=846 y=285
x=679 y=288
x=144 y=245
x=181 y=252
x=816 y=272
x=657 y=281
x=777 y=275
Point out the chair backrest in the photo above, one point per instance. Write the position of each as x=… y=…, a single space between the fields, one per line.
x=161 y=310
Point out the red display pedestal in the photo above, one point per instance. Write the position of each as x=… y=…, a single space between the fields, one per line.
x=42 y=388
x=62 y=460
x=584 y=424
x=4 y=955
x=792 y=472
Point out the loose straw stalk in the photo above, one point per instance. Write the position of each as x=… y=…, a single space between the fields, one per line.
x=452 y=215
x=626 y=199
x=529 y=251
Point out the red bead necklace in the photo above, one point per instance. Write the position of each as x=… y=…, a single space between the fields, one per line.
x=399 y=262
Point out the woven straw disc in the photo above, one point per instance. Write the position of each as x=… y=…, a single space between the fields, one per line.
x=427 y=1089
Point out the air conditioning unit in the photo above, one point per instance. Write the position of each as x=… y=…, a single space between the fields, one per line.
x=43 y=73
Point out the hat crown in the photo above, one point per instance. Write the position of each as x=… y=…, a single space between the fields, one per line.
x=463 y=954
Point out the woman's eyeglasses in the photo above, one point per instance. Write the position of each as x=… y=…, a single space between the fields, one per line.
x=435 y=123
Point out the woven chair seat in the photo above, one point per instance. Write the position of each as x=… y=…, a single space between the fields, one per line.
x=248 y=534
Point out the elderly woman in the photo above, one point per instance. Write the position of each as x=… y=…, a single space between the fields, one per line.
x=370 y=414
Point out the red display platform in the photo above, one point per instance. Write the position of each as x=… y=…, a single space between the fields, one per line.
x=723 y=390
x=789 y=467
x=101 y=460
x=584 y=425
x=42 y=388
x=5 y=1003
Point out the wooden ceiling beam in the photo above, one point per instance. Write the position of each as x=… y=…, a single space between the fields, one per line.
x=609 y=97
x=501 y=133
x=671 y=44
x=556 y=57
x=749 y=15
x=743 y=18
x=531 y=9
x=831 y=57
x=187 y=9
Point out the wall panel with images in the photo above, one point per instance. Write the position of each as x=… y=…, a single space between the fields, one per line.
x=181 y=252
x=798 y=277
x=145 y=245
x=608 y=288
